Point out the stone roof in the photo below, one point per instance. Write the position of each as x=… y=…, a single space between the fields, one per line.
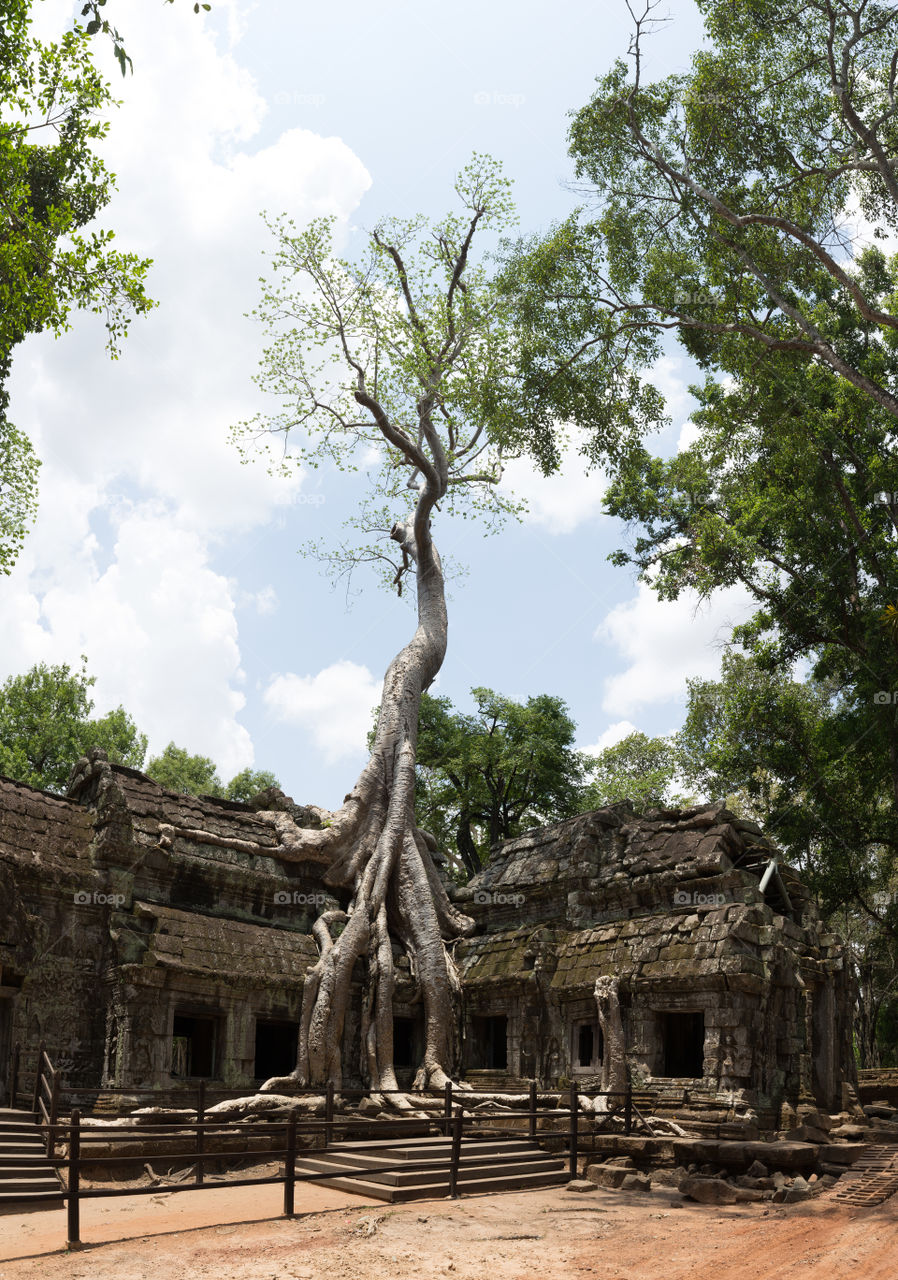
x=612 y=864
x=155 y=935
x=40 y=827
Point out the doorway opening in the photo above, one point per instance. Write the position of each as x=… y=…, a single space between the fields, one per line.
x=194 y=1046
x=489 y=1043
x=684 y=1044
x=276 y=1045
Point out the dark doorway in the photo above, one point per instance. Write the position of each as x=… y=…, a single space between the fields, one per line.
x=684 y=1044
x=404 y=1048
x=194 y=1046
x=489 y=1043
x=5 y=1036
x=276 y=1044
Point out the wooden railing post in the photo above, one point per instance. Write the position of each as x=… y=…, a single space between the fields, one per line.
x=628 y=1110
x=329 y=1114
x=200 y=1131
x=455 y=1157
x=14 y=1074
x=39 y=1077
x=575 y=1121
x=290 y=1168
x=54 y=1112
x=447 y=1108
x=533 y=1111
x=74 y=1208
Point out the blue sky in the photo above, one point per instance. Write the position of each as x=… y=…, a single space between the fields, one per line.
x=175 y=569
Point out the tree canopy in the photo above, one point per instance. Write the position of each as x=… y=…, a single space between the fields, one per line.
x=486 y=776
x=638 y=768
x=177 y=770
x=46 y=725
x=53 y=184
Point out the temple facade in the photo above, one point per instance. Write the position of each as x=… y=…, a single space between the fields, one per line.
x=151 y=940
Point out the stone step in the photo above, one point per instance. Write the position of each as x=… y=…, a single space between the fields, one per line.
x=11 y=1186
x=13 y=1121
x=22 y=1146
x=23 y=1159
x=437 y=1174
x=23 y=1200
x=480 y=1185
x=432 y=1148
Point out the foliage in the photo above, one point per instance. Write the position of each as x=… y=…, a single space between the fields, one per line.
x=638 y=768
x=18 y=488
x=248 y=783
x=194 y=775
x=45 y=726
x=406 y=355
x=177 y=770
x=489 y=775
x=724 y=207
x=811 y=765
x=94 y=11
x=52 y=184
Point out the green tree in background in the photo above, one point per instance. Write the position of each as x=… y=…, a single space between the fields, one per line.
x=638 y=768
x=248 y=783
x=492 y=774
x=177 y=770
x=52 y=185
x=46 y=725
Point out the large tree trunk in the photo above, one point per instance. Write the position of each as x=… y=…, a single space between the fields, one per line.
x=384 y=864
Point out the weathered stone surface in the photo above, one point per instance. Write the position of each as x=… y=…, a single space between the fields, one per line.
x=581 y=1185
x=636 y=1182
x=806 y=1133
x=709 y=1190
x=757 y=1169
x=128 y=909
x=849 y=1132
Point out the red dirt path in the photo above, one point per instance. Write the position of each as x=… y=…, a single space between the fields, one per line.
x=534 y=1235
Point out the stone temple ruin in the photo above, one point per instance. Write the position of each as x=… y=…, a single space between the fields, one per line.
x=153 y=939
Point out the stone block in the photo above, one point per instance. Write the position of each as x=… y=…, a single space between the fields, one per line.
x=708 y=1190
x=581 y=1185
x=636 y=1182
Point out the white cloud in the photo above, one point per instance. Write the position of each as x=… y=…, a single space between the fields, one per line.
x=140 y=447
x=689 y=433
x=562 y=502
x=612 y=735
x=664 y=642
x=334 y=706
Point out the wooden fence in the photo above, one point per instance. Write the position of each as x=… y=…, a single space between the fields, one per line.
x=190 y=1139
x=190 y=1145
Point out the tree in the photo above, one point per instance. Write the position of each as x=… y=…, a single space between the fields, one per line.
x=45 y=726
x=488 y=776
x=792 y=750
x=177 y=770
x=247 y=784
x=408 y=352
x=637 y=768
x=725 y=203
x=52 y=184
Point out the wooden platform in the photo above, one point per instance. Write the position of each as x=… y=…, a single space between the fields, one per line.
x=872 y=1178
x=418 y=1168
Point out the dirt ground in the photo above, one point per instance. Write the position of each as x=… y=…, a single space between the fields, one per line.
x=534 y=1235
